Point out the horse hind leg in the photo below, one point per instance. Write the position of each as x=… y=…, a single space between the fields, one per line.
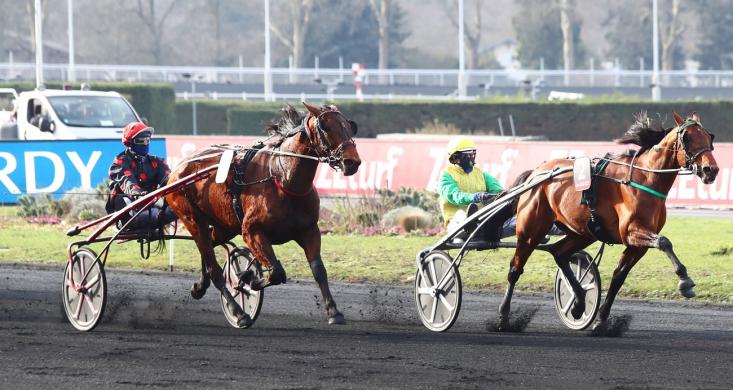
x=686 y=284
x=182 y=206
x=561 y=252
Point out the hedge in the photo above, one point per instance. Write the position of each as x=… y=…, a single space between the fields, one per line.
x=154 y=102
x=557 y=121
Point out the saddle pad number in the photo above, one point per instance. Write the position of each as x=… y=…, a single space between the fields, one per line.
x=224 y=163
x=581 y=173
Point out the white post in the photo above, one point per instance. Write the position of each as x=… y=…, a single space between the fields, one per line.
x=542 y=68
x=170 y=255
x=70 y=11
x=641 y=72
x=316 y=62
x=592 y=72
x=461 y=55
x=291 y=73
x=10 y=65
x=268 y=76
x=241 y=65
x=656 y=90
x=39 y=43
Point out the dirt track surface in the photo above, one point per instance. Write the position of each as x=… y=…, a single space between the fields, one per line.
x=155 y=335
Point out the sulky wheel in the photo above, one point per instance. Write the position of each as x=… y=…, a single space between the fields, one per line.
x=240 y=261
x=84 y=290
x=586 y=272
x=438 y=306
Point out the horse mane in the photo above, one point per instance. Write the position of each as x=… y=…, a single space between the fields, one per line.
x=289 y=119
x=644 y=132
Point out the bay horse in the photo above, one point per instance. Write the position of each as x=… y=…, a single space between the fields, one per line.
x=278 y=204
x=630 y=206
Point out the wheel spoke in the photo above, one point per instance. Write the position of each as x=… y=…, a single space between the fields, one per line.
x=432 y=272
x=433 y=310
x=91 y=282
x=425 y=291
x=445 y=303
x=567 y=306
x=77 y=312
x=589 y=286
x=89 y=303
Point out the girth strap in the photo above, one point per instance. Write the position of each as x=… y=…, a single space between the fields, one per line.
x=595 y=225
x=239 y=179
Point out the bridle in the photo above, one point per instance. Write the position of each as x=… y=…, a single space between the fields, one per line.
x=690 y=157
x=323 y=148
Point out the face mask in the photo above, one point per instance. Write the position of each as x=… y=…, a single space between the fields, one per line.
x=140 y=149
x=466 y=161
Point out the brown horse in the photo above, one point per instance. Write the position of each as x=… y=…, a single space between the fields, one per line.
x=278 y=201
x=630 y=206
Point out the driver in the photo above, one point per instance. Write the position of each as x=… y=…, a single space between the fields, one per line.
x=462 y=183
x=134 y=173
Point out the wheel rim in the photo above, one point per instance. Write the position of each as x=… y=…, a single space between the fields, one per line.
x=249 y=300
x=84 y=303
x=437 y=308
x=583 y=266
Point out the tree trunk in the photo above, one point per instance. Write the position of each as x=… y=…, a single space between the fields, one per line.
x=669 y=34
x=568 y=41
x=301 y=11
x=380 y=8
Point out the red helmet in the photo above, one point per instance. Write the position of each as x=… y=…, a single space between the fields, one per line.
x=134 y=129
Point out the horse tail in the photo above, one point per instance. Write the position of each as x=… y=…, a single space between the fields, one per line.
x=518 y=181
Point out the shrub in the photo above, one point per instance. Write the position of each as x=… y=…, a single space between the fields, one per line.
x=38 y=206
x=408 y=218
x=82 y=204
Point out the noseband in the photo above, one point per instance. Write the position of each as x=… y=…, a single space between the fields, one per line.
x=322 y=146
x=690 y=157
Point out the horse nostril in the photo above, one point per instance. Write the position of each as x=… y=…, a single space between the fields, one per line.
x=710 y=170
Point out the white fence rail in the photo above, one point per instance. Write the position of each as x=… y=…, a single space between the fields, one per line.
x=405 y=77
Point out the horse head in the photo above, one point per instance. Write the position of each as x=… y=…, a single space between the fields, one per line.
x=695 y=147
x=331 y=135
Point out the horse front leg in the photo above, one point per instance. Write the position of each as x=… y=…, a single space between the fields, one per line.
x=310 y=241
x=262 y=250
x=629 y=258
x=686 y=284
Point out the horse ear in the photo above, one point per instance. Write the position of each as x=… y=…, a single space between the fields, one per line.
x=313 y=109
x=677 y=118
x=695 y=116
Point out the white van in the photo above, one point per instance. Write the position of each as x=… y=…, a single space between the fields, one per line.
x=72 y=114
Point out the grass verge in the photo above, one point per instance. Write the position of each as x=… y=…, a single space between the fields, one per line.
x=705 y=246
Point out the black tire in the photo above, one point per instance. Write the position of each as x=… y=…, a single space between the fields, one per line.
x=241 y=260
x=580 y=262
x=438 y=310
x=84 y=304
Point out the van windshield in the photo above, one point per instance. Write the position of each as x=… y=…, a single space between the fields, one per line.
x=92 y=111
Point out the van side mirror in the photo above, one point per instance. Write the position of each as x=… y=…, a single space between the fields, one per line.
x=47 y=125
x=145 y=120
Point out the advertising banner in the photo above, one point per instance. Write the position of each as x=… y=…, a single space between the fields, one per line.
x=417 y=163
x=56 y=167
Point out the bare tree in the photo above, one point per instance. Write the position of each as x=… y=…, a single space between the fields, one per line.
x=380 y=9
x=671 y=28
x=300 y=17
x=146 y=11
x=567 y=21
x=472 y=26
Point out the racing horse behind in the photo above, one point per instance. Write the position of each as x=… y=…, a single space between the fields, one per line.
x=269 y=200
x=628 y=207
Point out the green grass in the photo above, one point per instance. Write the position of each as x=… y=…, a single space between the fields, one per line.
x=705 y=246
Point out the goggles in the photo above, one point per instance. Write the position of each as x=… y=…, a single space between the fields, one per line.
x=141 y=141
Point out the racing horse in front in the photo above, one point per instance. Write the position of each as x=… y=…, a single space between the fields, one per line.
x=269 y=198
x=626 y=206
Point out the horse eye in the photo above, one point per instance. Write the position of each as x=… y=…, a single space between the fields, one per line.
x=354 y=127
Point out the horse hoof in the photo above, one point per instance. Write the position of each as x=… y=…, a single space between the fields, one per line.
x=685 y=286
x=244 y=321
x=578 y=310
x=599 y=328
x=503 y=324
x=197 y=292
x=688 y=293
x=337 y=319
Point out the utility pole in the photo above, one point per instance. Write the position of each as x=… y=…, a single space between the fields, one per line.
x=268 y=75
x=461 y=55
x=70 y=11
x=39 y=43
x=656 y=89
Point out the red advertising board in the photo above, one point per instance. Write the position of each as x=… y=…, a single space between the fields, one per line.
x=393 y=164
